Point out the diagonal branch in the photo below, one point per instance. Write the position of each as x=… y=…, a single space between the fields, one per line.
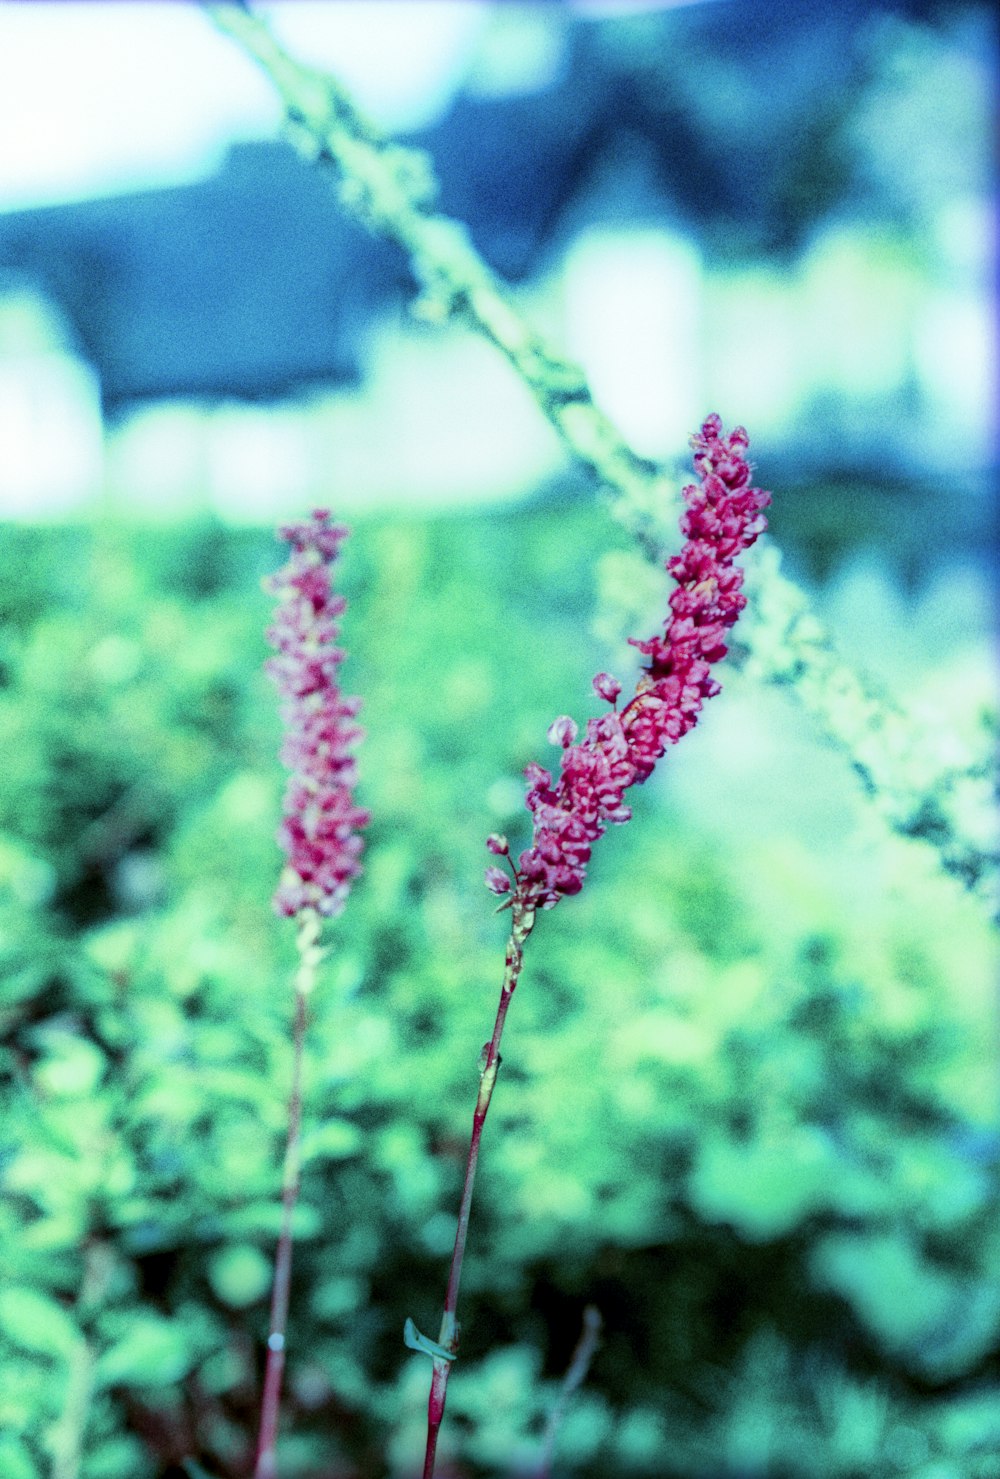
x=391 y=190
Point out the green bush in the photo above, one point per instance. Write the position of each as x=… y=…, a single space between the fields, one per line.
x=748 y=1102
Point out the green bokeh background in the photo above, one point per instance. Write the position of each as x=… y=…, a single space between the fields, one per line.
x=748 y=1099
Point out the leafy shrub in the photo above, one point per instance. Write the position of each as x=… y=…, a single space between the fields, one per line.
x=748 y=1100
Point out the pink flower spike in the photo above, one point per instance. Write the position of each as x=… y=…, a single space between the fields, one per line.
x=497 y=881
x=620 y=749
x=319 y=830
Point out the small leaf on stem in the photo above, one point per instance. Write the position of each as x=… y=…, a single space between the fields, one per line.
x=423 y=1343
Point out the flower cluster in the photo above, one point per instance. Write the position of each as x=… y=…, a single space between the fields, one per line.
x=620 y=749
x=318 y=832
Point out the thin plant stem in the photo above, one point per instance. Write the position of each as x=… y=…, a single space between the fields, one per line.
x=67 y=1437
x=523 y=921
x=576 y=1374
x=309 y=956
x=69 y=1433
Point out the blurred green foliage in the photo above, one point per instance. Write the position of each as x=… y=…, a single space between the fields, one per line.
x=749 y=1115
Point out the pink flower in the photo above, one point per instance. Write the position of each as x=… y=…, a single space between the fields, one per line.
x=605 y=686
x=497 y=881
x=620 y=748
x=562 y=731
x=319 y=830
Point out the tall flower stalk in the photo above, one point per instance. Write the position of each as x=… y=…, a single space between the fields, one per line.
x=320 y=837
x=619 y=749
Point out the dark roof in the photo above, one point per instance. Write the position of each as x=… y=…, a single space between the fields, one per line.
x=249 y=283
x=254 y=282
x=742 y=109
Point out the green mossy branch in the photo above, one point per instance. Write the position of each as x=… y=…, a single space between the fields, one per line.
x=903 y=768
x=392 y=190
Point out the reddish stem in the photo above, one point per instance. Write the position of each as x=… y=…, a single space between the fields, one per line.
x=266 y=1467
x=523 y=920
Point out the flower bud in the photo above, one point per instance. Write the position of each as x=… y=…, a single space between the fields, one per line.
x=607 y=687
x=562 y=731
x=497 y=881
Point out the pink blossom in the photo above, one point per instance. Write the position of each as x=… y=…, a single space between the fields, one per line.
x=607 y=687
x=620 y=748
x=319 y=830
x=562 y=731
x=497 y=881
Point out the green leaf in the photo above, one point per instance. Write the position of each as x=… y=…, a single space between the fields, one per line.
x=330 y=1141
x=423 y=1343
x=239 y=1275
x=764 y=1187
x=72 y=1068
x=35 y=1322
x=15 y=1460
x=152 y=1352
x=119 y=1458
x=265 y=1221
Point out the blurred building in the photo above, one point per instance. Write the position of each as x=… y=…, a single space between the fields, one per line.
x=783 y=213
x=51 y=428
